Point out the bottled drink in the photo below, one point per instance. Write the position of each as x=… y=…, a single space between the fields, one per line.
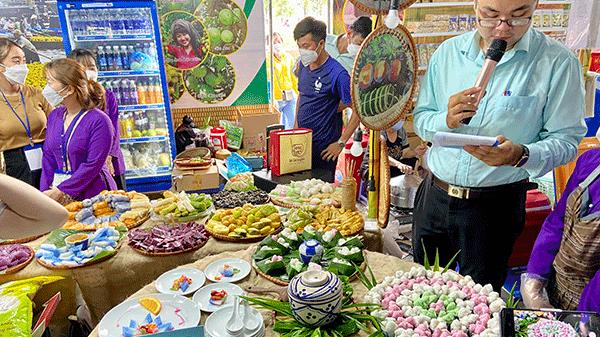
x=141 y=93
x=101 y=59
x=134 y=93
x=129 y=125
x=152 y=119
x=148 y=94
x=123 y=125
x=110 y=58
x=117 y=58
x=157 y=92
x=153 y=54
x=124 y=58
x=130 y=23
x=74 y=22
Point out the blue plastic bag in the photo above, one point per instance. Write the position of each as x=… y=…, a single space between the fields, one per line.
x=236 y=164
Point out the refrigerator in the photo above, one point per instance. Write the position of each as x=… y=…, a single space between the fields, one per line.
x=125 y=37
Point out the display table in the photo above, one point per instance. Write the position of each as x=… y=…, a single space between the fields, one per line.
x=267 y=181
x=382 y=265
x=108 y=283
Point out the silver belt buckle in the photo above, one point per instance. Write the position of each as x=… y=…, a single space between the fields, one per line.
x=458 y=192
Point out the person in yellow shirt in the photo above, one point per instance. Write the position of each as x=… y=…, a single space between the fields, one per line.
x=285 y=83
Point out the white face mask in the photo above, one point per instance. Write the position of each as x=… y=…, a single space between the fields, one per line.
x=278 y=48
x=92 y=75
x=598 y=134
x=353 y=49
x=52 y=96
x=308 y=56
x=17 y=73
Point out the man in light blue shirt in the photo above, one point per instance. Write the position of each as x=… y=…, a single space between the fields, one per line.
x=534 y=104
x=343 y=48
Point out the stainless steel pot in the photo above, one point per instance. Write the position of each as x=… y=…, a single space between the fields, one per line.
x=403 y=190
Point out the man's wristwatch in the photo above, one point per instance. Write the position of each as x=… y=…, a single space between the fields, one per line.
x=524 y=157
x=341 y=144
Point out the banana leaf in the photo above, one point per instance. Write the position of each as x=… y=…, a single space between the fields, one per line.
x=57 y=237
x=357 y=258
x=291 y=271
x=271 y=268
x=307 y=235
x=261 y=254
x=341 y=268
x=354 y=241
x=269 y=241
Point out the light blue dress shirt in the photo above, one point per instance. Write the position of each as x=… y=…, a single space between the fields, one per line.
x=535 y=97
x=344 y=59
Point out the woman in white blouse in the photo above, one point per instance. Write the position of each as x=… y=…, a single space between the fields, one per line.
x=25 y=211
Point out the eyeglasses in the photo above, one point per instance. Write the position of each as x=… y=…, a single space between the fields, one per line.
x=514 y=22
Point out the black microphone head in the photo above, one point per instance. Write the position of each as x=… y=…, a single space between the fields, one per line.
x=496 y=50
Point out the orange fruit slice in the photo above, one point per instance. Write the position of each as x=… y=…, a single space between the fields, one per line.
x=151 y=304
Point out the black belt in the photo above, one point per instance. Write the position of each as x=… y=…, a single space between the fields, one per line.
x=461 y=192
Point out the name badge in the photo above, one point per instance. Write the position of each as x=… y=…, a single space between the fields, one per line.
x=59 y=178
x=34 y=156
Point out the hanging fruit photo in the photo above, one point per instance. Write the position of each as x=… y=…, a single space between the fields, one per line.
x=185 y=40
x=213 y=81
x=384 y=77
x=226 y=24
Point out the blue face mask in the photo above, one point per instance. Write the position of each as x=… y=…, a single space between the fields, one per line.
x=52 y=96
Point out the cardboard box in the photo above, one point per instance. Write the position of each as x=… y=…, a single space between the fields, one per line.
x=290 y=151
x=254 y=125
x=195 y=180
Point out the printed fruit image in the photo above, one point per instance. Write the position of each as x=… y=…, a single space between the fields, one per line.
x=380 y=69
x=384 y=77
x=366 y=76
x=175 y=81
x=226 y=24
x=245 y=222
x=212 y=81
x=394 y=71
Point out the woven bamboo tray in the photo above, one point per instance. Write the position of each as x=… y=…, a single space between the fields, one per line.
x=264 y=203
x=143 y=252
x=379 y=7
x=20 y=266
x=241 y=240
x=113 y=253
x=402 y=89
x=23 y=240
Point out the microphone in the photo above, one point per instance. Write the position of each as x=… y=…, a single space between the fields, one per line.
x=493 y=56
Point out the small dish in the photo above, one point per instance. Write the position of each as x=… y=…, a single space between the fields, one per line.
x=227 y=270
x=202 y=296
x=165 y=282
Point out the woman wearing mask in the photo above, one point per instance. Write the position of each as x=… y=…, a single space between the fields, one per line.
x=285 y=83
x=564 y=267
x=114 y=162
x=79 y=136
x=23 y=111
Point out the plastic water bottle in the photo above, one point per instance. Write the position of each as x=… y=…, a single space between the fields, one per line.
x=124 y=58
x=153 y=55
x=101 y=59
x=110 y=59
x=117 y=58
x=134 y=93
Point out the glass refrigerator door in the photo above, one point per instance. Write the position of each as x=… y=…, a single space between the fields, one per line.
x=128 y=64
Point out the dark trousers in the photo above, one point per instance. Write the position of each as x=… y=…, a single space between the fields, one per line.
x=17 y=167
x=120 y=180
x=484 y=230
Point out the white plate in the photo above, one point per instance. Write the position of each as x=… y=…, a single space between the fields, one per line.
x=215 y=323
x=165 y=281
x=202 y=296
x=214 y=270
x=180 y=311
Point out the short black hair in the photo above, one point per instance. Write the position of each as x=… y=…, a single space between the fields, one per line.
x=310 y=25
x=81 y=53
x=362 y=26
